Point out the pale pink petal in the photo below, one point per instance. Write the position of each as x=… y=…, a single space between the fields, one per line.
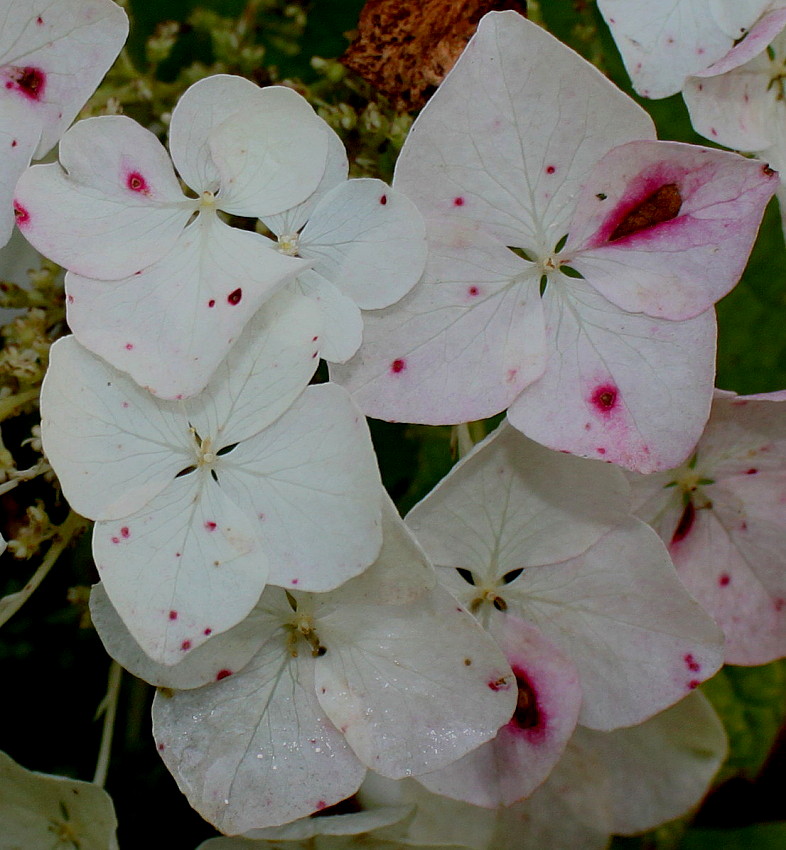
x=461 y=345
x=619 y=387
x=707 y=206
x=755 y=42
x=466 y=157
x=53 y=56
x=525 y=750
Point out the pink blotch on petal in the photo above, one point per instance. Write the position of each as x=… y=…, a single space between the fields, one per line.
x=124 y=532
x=222 y=674
x=21 y=214
x=473 y=290
x=724 y=580
x=295 y=580
x=235 y=296
x=207 y=632
x=751 y=471
x=212 y=302
x=321 y=804
x=70 y=299
x=173 y=615
x=550 y=169
x=691 y=663
x=28 y=81
x=115 y=539
x=604 y=398
x=161 y=747
x=125 y=404
x=137 y=183
x=693 y=684
x=210 y=525
x=383 y=200
x=129 y=346
x=779 y=604
x=398 y=365
x=186 y=645
x=501 y=684
x=458 y=202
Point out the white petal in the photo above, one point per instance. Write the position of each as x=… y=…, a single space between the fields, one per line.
x=461 y=345
x=660 y=769
x=220 y=657
x=269 y=158
x=311 y=479
x=170 y=325
x=511 y=133
x=112 y=448
x=525 y=750
x=111 y=207
x=342 y=330
x=336 y=170
x=639 y=642
x=618 y=386
x=369 y=240
x=19 y=133
x=511 y=504
x=187 y=565
x=412 y=687
x=62 y=50
x=256 y=749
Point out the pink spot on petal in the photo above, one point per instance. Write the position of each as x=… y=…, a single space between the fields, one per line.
x=550 y=169
x=473 y=290
x=600 y=450
x=173 y=615
x=398 y=365
x=528 y=716
x=21 y=214
x=125 y=404
x=691 y=663
x=70 y=299
x=693 y=684
x=458 y=202
x=207 y=632
x=14 y=143
x=383 y=199
x=724 y=580
x=161 y=747
x=779 y=604
x=222 y=674
x=125 y=532
x=129 y=346
x=210 y=525
x=501 y=684
x=212 y=302
x=185 y=646
x=295 y=581
x=235 y=296
x=137 y=183
x=321 y=804
x=178 y=554
x=28 y=81
x=713 y=131
x=751 y=471
x=115 y=539
x=604 y=398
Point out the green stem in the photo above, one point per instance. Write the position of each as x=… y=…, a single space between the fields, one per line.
x=70 y=529
x=9 y=404
x=109 y=707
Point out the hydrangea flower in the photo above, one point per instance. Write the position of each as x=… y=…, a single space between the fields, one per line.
x=158 y=284
x=200 y=503
x=52 y=57
x=662 y=44
x=366 y=243
x=534 y=173
x=738 y=101
x=387 y=672
x=621 y=782
x=722 y=515
x=518 y=532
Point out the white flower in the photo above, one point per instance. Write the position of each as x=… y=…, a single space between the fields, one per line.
x=200 y=503
x=157 y=294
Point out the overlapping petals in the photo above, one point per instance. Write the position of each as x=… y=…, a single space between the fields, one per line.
x=158 y=285
x=198 y=504
x=526 y=150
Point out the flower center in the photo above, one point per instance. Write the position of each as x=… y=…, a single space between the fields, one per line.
x=289 y=244
x=207 y=201
x=205 y=454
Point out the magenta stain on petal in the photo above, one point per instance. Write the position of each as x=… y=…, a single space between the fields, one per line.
x=473 y=291
x=458 y=202
x=321 y=804
x=383 y=200
x=222 y=674
x=173 y=615
x=604 y=398
x=691 y=663
x=235 y=296
x=28 y=81
x=185 y=646
x=550 y=169
x=39 y=20
x=125 y=404
x=161 y=747
x=129 y=346
x=779 y=604
x=724 y=580
x=207 y=632
x=212 y=302
x=398 y=365
x=751 y=471
x=125 y=532
x=210 y=525
x=528 y=717
x=70 y=299
x=295 y=581
x=21 y=215
x=13 y=143
x=600 y=450
x=685 y=524
x=693 y=684
x=115 y=539
x=137 y=183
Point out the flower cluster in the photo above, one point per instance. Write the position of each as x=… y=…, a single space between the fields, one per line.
x=516 y=662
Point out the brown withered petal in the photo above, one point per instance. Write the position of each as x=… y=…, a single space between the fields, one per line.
x=405 y=47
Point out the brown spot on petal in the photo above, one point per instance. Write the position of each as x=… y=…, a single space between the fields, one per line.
x=662 y=205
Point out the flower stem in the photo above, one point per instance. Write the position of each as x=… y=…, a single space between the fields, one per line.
x=109 y=708
x=73 y=526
